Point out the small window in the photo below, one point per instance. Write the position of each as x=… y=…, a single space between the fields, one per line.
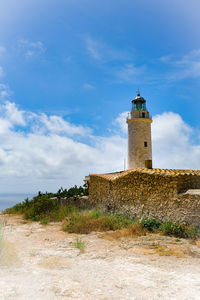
x=143 y=114
x=145 y=144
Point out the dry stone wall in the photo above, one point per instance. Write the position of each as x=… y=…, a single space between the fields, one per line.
x=144 y=193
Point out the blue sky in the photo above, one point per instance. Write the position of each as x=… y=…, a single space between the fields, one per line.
x=68 y=71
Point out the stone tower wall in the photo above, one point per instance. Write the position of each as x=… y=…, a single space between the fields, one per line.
x=139 y=131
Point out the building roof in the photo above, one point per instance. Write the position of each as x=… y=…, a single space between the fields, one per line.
x=161 y=172
x=138 y=98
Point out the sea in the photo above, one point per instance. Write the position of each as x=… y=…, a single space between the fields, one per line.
x=8 y=200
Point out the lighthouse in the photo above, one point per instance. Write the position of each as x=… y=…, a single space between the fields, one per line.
x=139 y=135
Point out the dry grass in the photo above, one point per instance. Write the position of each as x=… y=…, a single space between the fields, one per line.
x=88 y=221
x=8 y=255
x=54 y=262
x=197 y=243
x=179 y=253
x=133 y=230
x=2 y=225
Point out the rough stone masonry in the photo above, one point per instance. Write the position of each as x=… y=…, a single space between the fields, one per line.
x=163 y=194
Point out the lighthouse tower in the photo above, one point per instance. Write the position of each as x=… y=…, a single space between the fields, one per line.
x=139 y=135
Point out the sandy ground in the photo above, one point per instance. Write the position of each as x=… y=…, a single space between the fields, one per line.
x=41 y=262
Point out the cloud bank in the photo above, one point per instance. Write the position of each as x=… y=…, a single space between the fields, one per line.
x=42 y=152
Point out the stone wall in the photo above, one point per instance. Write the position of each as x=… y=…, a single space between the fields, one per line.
x=144 y=193
x=81 y=202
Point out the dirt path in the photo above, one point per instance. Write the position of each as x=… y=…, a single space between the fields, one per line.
x=40 y=262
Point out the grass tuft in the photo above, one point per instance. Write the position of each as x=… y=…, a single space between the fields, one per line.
x=79 y=244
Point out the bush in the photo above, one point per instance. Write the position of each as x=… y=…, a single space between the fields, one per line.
x=72 y=192
x=150 y=224
x=175 y=229
x=180 y=230
x=40 y=207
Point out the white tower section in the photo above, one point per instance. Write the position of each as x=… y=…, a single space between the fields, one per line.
x=139 y=135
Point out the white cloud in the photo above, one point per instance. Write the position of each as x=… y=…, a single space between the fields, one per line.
x=13 y=114
x=129 y=73
x=40 y=152
x=103 y=52
x=121 y=121
x=169 y=128
x=68 y=59
x=88 y=86
x=4 y=91
x=173 y=145
x=166 y=58
x=31 y=49
x=2 y=50
x=94 y=48
x=1 y=72
x=188 y=66
x=57 y=125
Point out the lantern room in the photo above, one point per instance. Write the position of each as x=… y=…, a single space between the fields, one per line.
x=139 y=103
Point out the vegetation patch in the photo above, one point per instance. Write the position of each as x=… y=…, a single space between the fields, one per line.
x=180 y=230
x=179 y=253
x=177 y=229
x=88 y=221
x=46 y=207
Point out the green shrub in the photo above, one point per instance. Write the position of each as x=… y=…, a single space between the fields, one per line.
x=44 y=222
x=39 y=207
x=96 y=214
x=150 y=224
x=175 y=229
x=193 y=231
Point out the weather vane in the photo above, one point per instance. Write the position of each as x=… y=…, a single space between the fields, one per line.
x=138 y=92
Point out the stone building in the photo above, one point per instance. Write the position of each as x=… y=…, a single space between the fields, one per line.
x=163 y=194
x=143 y=192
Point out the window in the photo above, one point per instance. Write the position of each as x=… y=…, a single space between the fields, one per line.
x=145 y=144
x=143 y=115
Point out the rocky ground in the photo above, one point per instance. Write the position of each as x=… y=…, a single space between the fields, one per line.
x=41 y=262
